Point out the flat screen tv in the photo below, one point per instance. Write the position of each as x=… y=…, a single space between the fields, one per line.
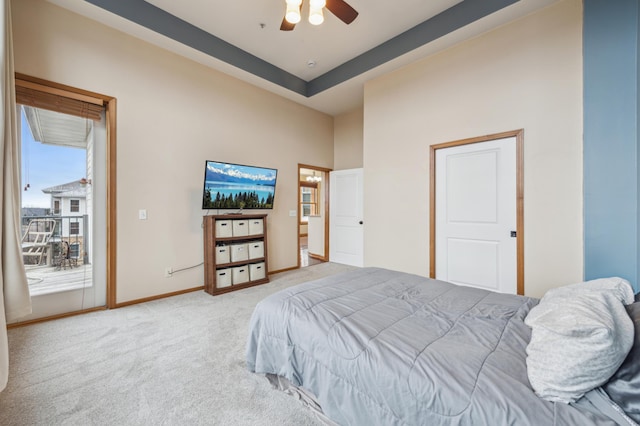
x=235 y=186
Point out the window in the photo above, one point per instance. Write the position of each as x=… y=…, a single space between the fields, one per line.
x=308 y=200
x=56 y=207
x=74 y=228
x=75 y=206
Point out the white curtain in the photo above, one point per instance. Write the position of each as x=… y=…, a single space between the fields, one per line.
x=15 y=301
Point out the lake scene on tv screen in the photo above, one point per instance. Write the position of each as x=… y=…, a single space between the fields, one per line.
x=234 y=186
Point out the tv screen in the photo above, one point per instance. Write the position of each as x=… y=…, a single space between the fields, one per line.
x=234 y=186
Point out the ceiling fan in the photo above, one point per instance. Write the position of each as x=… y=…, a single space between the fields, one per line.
x=338 y=7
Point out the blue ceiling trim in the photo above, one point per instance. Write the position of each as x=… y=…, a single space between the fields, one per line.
x=157 y=20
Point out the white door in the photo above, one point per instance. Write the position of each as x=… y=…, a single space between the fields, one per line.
x=476 y=215
x=346 y=234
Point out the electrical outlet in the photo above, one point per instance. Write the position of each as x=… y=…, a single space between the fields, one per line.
x=168 y=272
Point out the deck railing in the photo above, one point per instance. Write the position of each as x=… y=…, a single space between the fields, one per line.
x=71 y=229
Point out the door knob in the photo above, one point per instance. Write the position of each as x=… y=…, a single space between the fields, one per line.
x=361 y=222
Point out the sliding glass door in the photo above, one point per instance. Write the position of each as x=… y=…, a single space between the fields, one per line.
x=63 y=160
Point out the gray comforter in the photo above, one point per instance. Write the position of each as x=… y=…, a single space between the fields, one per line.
x=379 y=347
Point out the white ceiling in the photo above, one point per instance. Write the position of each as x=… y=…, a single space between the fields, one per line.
x=254 y=27
x=329 y=44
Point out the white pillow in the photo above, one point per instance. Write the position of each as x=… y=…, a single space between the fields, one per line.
x=580 y=335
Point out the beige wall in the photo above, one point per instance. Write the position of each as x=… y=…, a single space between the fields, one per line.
x=173 y=114
x=528 y=75
x=348 y=140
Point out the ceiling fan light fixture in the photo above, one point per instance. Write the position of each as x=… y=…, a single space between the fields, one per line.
x=293 y=14
x=339 y=8
x=317 y=4
x=316 y=17
x=314 y=178
x=293 y=11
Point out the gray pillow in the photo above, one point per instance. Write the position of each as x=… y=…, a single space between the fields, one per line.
x=580 y=335
x=624 y=386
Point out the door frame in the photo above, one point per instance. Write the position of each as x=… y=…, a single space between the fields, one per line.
x=519 y=140
x=109 y=104
x=325 y=179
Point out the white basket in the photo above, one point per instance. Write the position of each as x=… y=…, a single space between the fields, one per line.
x=240 y=228
x=256 y=227
x=239 y=252
x=240 y=274
x=223 y=278
x=257 y=271
x=223 y=229
x=223 y=254
x=256 y=250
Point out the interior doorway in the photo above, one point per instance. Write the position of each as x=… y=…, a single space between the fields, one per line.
x=313 y=215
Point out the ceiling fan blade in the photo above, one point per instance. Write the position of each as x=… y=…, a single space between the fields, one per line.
x=342 y=10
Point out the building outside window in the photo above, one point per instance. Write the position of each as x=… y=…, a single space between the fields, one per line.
x=308 y=200
x=75 y=206
x=74 y=228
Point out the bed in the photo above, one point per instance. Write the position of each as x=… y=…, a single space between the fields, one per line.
x=378 y=347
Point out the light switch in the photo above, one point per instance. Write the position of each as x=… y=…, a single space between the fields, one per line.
x=142 y=214
x=293 y=213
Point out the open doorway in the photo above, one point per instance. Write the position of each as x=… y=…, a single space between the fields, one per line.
x=313 y=215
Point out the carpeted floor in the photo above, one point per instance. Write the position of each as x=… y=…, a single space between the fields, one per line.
x=174 y=361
